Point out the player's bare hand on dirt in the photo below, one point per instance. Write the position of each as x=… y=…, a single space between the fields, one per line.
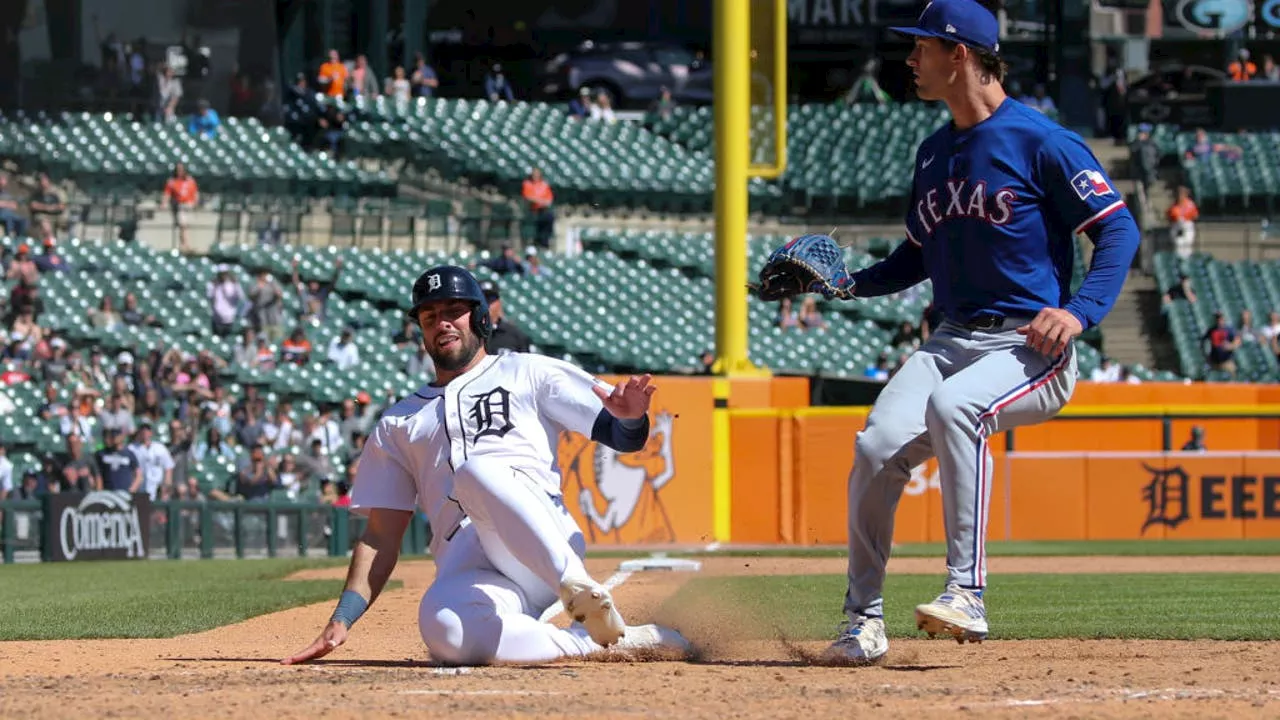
x=1051 y=330
x=629 y=399
x=335 y=633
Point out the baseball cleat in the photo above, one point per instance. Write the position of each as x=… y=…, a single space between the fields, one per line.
x=654 y=638
x=956 y=612
x=592 y=605
x=863 y=642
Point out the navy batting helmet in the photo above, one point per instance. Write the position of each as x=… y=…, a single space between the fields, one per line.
x=447 y=282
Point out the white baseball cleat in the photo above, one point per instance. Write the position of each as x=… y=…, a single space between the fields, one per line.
x=956 y=612
x=654 y=638
x=863 y=642
x=591 y=604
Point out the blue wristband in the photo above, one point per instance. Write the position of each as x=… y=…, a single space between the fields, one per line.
x=351 y=605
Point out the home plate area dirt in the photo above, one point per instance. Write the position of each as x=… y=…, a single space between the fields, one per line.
x=384 y=671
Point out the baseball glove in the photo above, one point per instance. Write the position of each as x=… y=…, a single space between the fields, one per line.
x=807 y=264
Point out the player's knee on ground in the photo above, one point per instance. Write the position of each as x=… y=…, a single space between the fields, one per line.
x=459 y=630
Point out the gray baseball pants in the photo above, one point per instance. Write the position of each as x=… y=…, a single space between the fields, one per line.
x=958 y=390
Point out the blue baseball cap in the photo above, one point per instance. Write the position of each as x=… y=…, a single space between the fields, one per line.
x=962 y=21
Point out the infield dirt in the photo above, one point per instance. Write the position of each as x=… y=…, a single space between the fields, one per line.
x=384 y=669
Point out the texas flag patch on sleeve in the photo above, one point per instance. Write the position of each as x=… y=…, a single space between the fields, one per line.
x=1091 y=182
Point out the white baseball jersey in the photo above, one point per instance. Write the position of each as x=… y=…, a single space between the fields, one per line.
x=511 y=406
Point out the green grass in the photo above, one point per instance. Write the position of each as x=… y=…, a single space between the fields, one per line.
x=1156 y=606
x=1040 y=549
x=150 y=599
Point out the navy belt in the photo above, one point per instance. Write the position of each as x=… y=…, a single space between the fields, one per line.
x=985 y=322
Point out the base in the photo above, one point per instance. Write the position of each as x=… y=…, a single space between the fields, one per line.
x=660 y=561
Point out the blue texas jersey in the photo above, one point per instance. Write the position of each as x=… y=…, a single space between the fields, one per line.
x=994 y=208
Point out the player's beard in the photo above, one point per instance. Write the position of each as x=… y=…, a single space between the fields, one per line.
x=459 y=355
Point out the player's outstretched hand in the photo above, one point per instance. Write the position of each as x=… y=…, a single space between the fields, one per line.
x=1051 y=330
x=629 y=399
x=335 y=633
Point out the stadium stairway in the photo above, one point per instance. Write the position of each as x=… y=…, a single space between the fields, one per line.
x=1133 y=327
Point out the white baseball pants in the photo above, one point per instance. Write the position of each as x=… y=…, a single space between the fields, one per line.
x=501 y=571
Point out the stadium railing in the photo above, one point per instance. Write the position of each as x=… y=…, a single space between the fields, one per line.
x=191 y=529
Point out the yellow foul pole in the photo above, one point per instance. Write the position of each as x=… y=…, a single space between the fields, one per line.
x=731 y=110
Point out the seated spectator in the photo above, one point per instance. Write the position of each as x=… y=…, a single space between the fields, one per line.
x=343 y=351
x=266 y=356
x=220 y=407
x=312 y=295
x=906 y=335
x=52 y=408
x=205 y=122
x=22 y=268
x=787 y=317
x=507 y=335
x=78 y=471
x=580 y=107
x=290 y=477
x=248 y=427
x=1220 y=343
x=1204 y=149
x=507 y=262
x=1270 y=70
x=116 y=415
x=1040 y=100
x=26 y=333
x=410 y=335
x=810 y=318
x=256 y=478
x=496 y=86
x=602 y=110
x=533 y=266
x=1180 y=291
x=47 y=203
x=1106 y=372
x=424 y=77
x=1271 y=329
x=665 y=106
x=316 y=466
x=420 y=364
x=706 y=363
x=11 y=219
x=131 y=315
x=105 y=316
x=50 y=261
x=879 y=371
x=245 y=352
x=75 y=422
x=1246 y=330
x=213 y=446
x=1182 y=220
x=333 y=129
x=296 y=348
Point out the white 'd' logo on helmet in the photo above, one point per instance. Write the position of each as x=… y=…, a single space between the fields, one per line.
x=433 y=281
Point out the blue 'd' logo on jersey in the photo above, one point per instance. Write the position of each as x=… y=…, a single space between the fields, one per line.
x=965 y=198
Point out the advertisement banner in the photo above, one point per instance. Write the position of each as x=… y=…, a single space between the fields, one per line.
x=102 y=525
x=660 y=494
x=1118 y=496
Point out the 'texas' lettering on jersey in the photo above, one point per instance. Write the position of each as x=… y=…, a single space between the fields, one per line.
x=964 y=198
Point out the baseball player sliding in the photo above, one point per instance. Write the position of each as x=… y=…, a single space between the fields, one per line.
x=475 y=450
x=998 y=194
